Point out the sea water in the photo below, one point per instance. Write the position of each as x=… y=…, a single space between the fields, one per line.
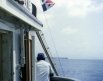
x=84 y=70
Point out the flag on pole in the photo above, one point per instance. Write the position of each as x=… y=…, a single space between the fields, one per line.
x=46 y=4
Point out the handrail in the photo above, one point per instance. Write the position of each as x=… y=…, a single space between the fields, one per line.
x=47 y=52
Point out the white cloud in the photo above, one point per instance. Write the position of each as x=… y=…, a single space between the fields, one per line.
x=59 y=2
x=45 y=16
x=79 y=7
x=74 y=8
x=76 y=36
x=69 y=30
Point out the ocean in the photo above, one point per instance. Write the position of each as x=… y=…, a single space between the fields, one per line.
x=84 y=70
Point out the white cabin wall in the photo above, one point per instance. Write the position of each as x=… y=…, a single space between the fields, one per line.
x=13 y=24
x=16 y=54
x=5 y=26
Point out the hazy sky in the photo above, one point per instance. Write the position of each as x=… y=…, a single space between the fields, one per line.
x=76 y=27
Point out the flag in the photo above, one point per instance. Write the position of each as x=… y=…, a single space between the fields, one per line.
x=46 y=4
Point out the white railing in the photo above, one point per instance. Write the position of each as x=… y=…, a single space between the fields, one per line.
x=28 y=5
x=25 y=3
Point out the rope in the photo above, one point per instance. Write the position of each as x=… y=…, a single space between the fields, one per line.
x=54 y=45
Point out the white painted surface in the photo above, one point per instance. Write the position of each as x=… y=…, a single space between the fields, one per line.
x=5 y=26
x=33 y=59
x=19 y=14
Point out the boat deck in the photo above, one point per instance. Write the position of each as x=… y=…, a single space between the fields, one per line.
x=57 y=78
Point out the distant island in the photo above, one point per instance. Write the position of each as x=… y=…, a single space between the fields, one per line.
x=59 y=58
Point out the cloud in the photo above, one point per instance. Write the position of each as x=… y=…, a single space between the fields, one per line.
x=75 y=8
x=69 y=30
x=59 y=3
x=45 y=16
x=78 y=37
x=79 y=8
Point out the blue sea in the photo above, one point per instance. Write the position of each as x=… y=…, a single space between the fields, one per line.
x=84 y=70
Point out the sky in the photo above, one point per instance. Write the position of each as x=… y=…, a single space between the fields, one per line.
x=73 y=28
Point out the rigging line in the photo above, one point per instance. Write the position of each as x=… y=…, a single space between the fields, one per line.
x=46 y=51
x=54 y=44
